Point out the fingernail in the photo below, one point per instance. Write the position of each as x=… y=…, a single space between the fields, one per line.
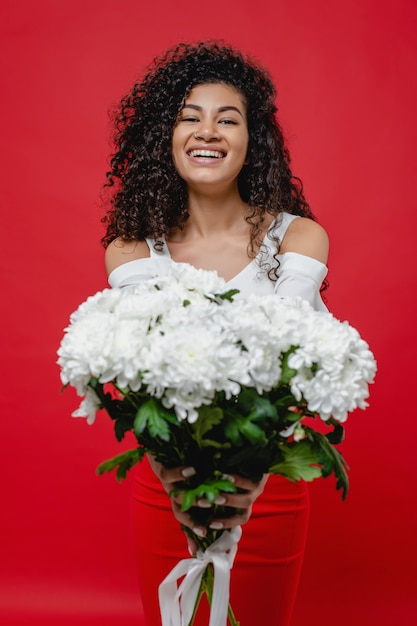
x=216 y=525
x=228 y=477
x=198 y=531
x=187 y=472
x=204 y=504
x=220 y=500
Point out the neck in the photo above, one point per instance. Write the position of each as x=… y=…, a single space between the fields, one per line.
x=213 y=212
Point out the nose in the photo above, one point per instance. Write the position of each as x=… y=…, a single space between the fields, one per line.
x=206 y=131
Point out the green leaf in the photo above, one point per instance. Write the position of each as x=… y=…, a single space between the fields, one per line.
x=287 y=373
x=187 y=500
x=208 y=417
x=254 y=406
x=246 y=399
x=232 y=431
x=337 y=435
x=123 y=424
x=284 y=400
x=122 y=463
x=291 y=417
x=209 y=490
x=331 y=460
x=156 y=419
x=301 y=462
x=239 y=426
x=212 y=443
x=228 y=295
x=252 y=432
x=141 y=419
x=263 y=409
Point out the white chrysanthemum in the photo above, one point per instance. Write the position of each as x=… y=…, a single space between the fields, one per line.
x=101 y=302
x=186 y=366
x=334 y=367
x=248 y=325
x=167 y=335
x=126 y=345
x=195 y=280
x=85 y=349
x=146 y=306
x=285 y=318
x=88 y=407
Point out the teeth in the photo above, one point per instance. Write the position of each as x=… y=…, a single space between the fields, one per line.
x=207 y=153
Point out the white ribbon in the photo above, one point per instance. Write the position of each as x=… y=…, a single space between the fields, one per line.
x=177 y=604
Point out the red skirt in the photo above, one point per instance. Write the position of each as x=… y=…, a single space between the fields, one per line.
x=267 y=567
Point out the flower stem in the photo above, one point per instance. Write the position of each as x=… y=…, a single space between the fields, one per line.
x=201 y=590
x=207 y=579
x=231 y=615
x=206 y=586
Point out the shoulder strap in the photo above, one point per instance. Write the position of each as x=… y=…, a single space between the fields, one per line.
x=156 y=253
x=280 y=225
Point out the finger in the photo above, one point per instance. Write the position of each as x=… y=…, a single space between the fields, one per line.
x=184 y=519
x=178 y=474
x=174 y=475
x=230 y=522
x=238 y=500
x=192 y=546
x=245 y=483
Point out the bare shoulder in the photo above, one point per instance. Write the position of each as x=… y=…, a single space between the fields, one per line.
x=306 y=237
x=119 y=252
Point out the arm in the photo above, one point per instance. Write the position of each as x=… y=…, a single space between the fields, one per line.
x=306 y=237
x=120 y=252
x=303 y=255
x=242 y=501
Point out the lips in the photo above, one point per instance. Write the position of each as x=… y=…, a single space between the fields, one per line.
x=207 y=154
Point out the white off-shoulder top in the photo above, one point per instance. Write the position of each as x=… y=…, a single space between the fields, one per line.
x=298 y=275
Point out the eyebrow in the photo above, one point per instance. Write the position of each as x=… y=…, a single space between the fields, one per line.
x=222 y=109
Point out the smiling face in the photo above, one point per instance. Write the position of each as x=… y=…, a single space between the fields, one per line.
x=210 y=139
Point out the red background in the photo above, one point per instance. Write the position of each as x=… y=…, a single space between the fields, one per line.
x=346 y=75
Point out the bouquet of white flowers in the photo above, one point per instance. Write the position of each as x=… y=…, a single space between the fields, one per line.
x=221 y=384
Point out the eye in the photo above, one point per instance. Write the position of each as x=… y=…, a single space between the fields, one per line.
x=228 y=121
x=189 y=118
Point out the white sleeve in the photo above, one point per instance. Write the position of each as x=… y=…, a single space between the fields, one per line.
x=134 y=272
x=301 y=276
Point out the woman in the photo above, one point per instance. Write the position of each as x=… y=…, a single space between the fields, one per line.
x=201 y=175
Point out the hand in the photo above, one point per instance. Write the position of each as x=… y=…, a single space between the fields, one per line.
x=243 y=501
x=248 y=492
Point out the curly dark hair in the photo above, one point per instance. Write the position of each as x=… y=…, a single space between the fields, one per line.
x=149 y=198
